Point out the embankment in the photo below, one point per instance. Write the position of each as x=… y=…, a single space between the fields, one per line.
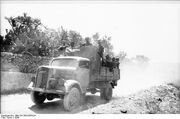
x=14 y=82
x=162 y=99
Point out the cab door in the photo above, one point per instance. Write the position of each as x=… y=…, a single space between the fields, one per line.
x=83 y=74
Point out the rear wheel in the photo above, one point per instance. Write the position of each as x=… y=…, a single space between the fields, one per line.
x=72 y=99
x=37 y=97
x=106 y=93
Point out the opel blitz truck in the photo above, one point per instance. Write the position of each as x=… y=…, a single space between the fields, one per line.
x=71 y=77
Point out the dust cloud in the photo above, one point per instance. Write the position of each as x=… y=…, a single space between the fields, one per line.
x=137 y=77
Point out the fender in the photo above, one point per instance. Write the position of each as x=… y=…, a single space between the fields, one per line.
x=72 y=83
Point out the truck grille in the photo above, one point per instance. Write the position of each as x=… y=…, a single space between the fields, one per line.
x=42 y=77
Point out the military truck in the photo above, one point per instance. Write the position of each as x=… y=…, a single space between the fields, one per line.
x=71 y=77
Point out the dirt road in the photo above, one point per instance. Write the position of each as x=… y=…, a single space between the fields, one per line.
x=158 y=99
x=22 y=104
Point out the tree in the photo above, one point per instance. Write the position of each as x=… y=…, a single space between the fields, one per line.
x=2 y=43
x=75 y=38
x=52 y=41
x=61 y=38
x=108 y=47
x=64 y=36
x=24 y=34
x=7 y=42
x=105 y=42
x=24 y=24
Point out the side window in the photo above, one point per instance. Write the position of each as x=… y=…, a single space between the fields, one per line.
x=84 y=64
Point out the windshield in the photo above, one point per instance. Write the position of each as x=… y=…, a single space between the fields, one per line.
x=65 y=62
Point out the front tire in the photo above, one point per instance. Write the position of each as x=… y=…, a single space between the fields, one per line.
x=72 y=99
x=37 y=97
x=106 y=93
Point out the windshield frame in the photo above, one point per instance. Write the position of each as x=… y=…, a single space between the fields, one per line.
x=75 y=62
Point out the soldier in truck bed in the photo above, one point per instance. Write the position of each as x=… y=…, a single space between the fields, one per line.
x=115 y=62
x=111 y=62
x=100 y=49
x=62 y=49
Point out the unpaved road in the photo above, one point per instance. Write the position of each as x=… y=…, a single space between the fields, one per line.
x=158 y=99
x=22 y=104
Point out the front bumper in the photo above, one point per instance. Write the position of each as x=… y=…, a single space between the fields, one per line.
x=30 y=87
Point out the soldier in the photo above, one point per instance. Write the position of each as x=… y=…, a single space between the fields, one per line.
x=88 y=41
x=62 y=50
x=101 y=52
x=117 y=62
x=101 y=49
x=114 y=62
x=109 y=63
x=72 y=45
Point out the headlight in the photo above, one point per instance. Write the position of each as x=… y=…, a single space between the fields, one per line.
x=61 y=81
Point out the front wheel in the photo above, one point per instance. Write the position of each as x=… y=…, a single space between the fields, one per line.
x=72 y=99
x=106 y=93
x=37 y=97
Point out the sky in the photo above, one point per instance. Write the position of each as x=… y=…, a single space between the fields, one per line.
x=138 y=28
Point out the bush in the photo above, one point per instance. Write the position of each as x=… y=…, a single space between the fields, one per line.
x=24 y=62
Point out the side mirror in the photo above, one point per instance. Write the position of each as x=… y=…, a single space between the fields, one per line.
x=84 y=66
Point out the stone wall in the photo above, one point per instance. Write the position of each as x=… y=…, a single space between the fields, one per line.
x=24 y=63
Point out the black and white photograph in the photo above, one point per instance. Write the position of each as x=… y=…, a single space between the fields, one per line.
x=89 y=57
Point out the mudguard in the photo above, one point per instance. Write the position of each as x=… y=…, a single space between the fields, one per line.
x=72 y=83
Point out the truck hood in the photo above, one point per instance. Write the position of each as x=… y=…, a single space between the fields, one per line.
x=60 y=72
